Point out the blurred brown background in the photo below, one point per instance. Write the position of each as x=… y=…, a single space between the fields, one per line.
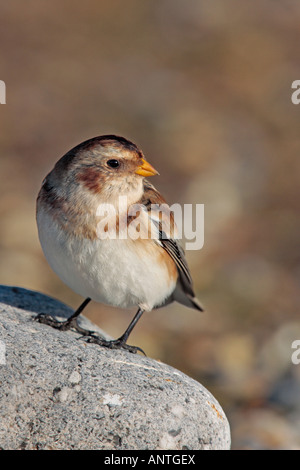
x=204 y=88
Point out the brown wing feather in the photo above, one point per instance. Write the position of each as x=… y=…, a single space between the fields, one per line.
x=151 y=197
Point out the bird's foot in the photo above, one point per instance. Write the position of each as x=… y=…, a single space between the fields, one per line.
x=114 y=344
x=62 y=325
x=90 y=336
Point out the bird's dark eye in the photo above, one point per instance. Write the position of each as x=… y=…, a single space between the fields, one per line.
x=113 y=163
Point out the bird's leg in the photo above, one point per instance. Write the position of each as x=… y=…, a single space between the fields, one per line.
x=120 y=343
x=71 y=322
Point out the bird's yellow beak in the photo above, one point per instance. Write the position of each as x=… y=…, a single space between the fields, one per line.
x=146 y=169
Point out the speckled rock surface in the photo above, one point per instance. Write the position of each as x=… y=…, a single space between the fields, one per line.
x=58 y=392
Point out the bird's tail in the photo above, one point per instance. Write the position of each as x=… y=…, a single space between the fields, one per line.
x=188 y=300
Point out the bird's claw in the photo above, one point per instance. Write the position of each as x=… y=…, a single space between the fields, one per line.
x=114 y=344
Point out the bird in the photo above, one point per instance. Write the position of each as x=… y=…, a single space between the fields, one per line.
x=143 y=271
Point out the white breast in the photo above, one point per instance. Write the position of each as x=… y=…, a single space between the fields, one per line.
x=115 y=272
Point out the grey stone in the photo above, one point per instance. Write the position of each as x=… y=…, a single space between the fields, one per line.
x=59 y=392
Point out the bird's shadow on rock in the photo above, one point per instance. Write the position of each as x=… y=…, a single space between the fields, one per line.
x=33 y=301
